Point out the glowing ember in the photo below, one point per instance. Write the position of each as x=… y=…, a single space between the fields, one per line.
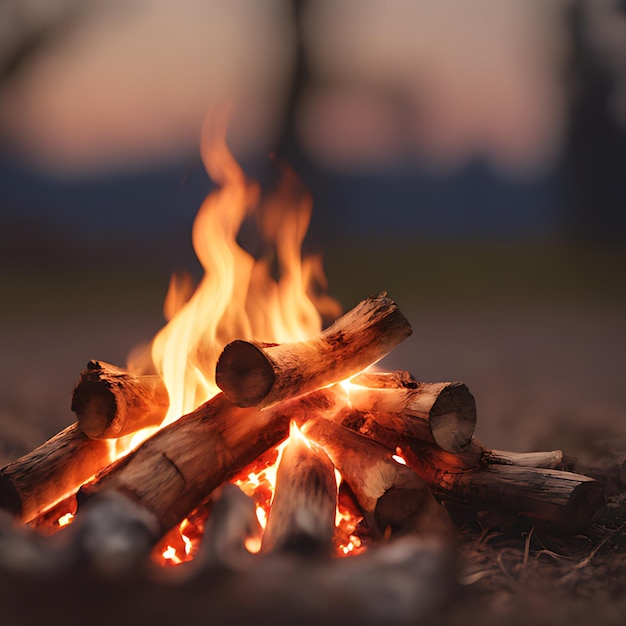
x=261 y=515
x=169 y=554
x=66 y=519
x=398 y=457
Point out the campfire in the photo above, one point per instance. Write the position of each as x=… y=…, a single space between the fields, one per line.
x=245 y=433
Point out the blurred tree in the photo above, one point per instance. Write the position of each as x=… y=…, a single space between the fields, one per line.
x=594 y=156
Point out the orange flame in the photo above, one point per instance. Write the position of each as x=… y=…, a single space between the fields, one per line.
x=237 y=297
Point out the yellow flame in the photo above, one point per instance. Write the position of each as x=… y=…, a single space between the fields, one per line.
x=295 y=434
x=261 y=515
x=237 y=298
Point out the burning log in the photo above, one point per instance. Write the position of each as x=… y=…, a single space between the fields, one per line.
x=302 y=517
x=479 y=477
x=232 y=523
x=174 y=470
x=253 y=374
x=440 y=413
x=392 y=496
x=110 y=402
x=56 y=517
x=58 y=467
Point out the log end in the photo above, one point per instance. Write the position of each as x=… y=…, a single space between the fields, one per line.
x=10 y=500
x=453 y=417
x=244 y=373
x=95 y=407
x=585 y=501
x=402 y=510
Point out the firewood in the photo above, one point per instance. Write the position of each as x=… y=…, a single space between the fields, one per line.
x=550 y=459
x=231 y=524
x=112 y=535
x=302 y=517
x=252 y=374
x=171 y=473
x=110 y=402
x=393 y=498
x=440 y=413
x=476 y=477
x=561 y=499
x=52 y=520
x=54 y=470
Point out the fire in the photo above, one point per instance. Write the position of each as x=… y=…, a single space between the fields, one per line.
x=182 y=542
x=237 y=298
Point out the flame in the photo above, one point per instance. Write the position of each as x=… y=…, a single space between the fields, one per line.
x=237 y=298
x=182 y=543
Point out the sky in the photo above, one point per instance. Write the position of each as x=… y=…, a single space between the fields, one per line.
x=433 y=90
x=443 y=80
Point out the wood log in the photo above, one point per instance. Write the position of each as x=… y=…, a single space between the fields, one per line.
x=393 y=498
x=440 y=413
x=52 y=520
x=254 y=374
x=178 y=467
x=550 y=459
x=54 y=470
x=302 y=517
x=563 y=500
x=112 y=535
x=232 y=523
x=110 y=402
x=476 y=477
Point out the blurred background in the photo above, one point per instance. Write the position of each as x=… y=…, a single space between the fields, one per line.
x=469 y=158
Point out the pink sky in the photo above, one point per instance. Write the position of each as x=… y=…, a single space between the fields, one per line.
x=439 y=80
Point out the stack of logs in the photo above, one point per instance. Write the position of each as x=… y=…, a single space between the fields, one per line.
x=355 y=428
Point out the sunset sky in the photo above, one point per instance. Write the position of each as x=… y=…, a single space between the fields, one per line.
x=130 y=83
